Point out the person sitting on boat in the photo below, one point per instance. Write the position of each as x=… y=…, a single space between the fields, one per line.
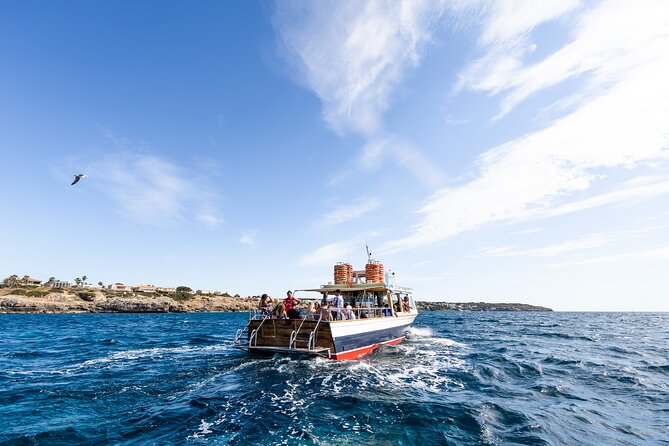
x=387 y=311
x=325 y=312
x=265 y=305
x=279 y=311
x=290 y=301
x=349 y=313
x=310 y=310
x=406 y=307
x=337 y=305
x=316 y=311
x=294 y=312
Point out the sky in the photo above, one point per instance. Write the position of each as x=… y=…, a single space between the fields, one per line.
x=512 y=151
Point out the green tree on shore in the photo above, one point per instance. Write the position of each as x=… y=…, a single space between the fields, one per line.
x=183 y=293
x=11 y=281
x=83 y=279
x=77 y=280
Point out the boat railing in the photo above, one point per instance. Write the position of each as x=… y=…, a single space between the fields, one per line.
x=256 y=314
x=360 y=313
x=293 y=335
x=311 y=344
x=253 y=338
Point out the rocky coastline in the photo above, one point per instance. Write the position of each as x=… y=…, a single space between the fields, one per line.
x=69 y=301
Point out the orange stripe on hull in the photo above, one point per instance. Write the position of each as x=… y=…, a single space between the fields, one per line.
x=362 y=351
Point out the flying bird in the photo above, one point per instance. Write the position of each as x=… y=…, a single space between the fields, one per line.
x=77 y=177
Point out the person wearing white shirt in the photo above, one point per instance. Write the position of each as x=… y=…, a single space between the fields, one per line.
x=338 y=304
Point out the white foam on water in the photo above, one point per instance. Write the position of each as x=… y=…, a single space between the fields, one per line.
x=447 y=342
x=151 y=353
x=420 y=332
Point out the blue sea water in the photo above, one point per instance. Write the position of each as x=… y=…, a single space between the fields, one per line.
x=460 y=378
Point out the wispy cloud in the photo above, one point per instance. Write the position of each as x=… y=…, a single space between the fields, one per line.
x=647 y=255
x=587 y=242
x=348 y=212
x=640 y=188
x=248 y=238
x=505 y=40
x=634 y=37
x=378 y=151
x=329 y=254
x=352 y=55
x=625 y=125
x=151 y=189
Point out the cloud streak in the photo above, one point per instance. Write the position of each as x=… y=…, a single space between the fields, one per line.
x=248 y=238
x=587 y=242
x=348 y=212
x=352 y=54
x=150 y=189
x=657 y=254
x=329 y=254
x=625 y=125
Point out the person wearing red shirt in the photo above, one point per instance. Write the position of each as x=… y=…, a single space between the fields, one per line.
x=290 y=301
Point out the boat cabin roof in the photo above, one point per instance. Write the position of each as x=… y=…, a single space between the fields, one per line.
x=359 y=287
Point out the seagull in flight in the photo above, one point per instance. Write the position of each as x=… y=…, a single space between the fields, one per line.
x=77 y=177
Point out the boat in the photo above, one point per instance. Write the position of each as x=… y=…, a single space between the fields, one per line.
x=376 y=312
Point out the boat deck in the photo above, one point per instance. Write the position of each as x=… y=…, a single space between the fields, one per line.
x=325 y=352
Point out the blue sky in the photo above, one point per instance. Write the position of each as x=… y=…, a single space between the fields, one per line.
x=510 y=151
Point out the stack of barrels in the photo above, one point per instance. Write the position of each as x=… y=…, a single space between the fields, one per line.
x=374 y=272
x=343 y=273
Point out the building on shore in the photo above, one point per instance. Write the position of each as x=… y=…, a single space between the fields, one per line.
x=144 y=289
x=119 y=287
x=29 y=281
x=58 y=284
x=166 y=289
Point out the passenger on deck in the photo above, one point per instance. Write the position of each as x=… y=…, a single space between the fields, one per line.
x=349 y=313
x=310 y=310
x=279 y=311
x=337 y=305
x=406 y=307
x=294 y=312
x=265 y=305
x=325 y=312
x=290 y=301
x=387 y=311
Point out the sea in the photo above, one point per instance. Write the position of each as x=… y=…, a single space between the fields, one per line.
x=479 y=378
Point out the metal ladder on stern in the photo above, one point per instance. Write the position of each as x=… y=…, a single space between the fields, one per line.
x=299 y=339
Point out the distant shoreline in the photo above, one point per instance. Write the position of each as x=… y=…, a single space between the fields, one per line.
x=477 y=306
x=72 y=301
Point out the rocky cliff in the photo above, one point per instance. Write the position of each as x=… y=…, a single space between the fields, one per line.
x=20 y=301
